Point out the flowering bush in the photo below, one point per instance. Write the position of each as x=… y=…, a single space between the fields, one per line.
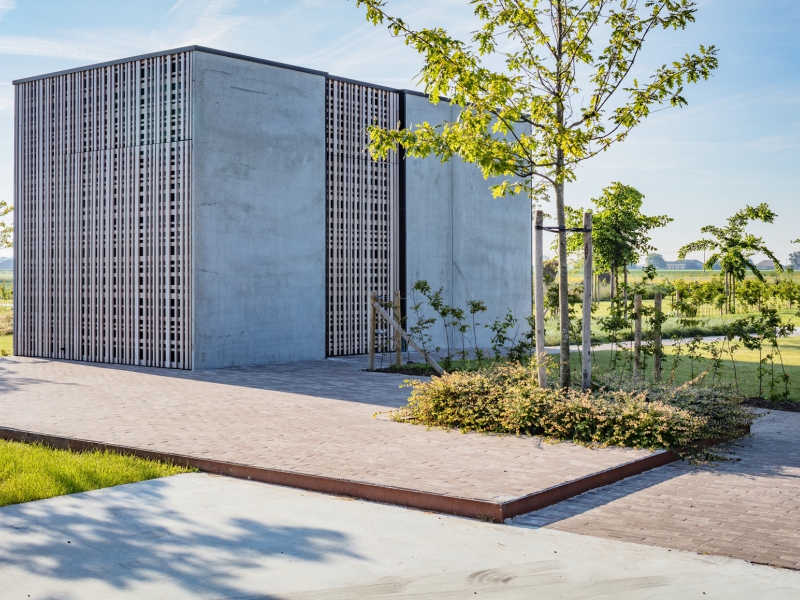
x=505 y=398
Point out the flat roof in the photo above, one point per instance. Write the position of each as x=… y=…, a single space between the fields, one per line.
x=212 y=51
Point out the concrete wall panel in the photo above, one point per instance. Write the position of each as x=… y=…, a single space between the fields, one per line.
x=259 y=213
x=462 y=239
x=429 y=214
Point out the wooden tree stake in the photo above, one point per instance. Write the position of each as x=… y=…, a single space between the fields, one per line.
x=538 y=266
x=586 y=344
x=637 y=344
x=373 y=318
x=657 y=339
x=398 y=339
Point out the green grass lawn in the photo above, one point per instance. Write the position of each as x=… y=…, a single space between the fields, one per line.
x=747 y=364
x=5 y=330
x=34 y=472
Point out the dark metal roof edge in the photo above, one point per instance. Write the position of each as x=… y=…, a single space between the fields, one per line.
x=207 y=50
x=172 y=51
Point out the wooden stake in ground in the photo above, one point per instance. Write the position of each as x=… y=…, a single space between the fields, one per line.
x=657 y=338
x=538 y=292
x=398 y=339
x=637 y=343
x=586 y=343
x=373 y=318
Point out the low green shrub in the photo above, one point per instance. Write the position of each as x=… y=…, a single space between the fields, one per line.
x=505 y=399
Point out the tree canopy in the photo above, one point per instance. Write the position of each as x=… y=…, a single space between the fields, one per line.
x=656 y=260
x=733 y=247
x=620 y=231
x=564 y=93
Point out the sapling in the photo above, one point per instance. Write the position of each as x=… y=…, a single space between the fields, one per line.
x=475 y=307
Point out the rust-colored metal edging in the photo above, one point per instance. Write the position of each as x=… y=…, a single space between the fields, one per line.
x=453 y=505
x=462 y=507
x=570 y=489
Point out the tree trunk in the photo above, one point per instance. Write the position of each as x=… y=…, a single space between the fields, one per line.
x=612 y=280
x=563 y=283
x=563 y=289
x=625 y=290
x=727 y=295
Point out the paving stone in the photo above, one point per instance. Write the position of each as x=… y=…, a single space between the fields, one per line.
x=745 y=509
x=313 y=418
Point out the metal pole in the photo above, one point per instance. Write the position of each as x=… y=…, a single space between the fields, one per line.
x=586 y=347
x=538 y=291
x=373 y=298
x=657 y=338
x=637 y=348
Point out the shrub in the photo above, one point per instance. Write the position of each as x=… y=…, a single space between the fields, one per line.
x=505 y=398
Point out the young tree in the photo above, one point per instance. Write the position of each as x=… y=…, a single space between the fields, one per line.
x=6 y=229
x=733 y=247
x=560 y=98
x=620 y=232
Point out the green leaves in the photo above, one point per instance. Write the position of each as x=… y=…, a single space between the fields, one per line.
x=530 y=123
x=6 y=229
x=732 y=246
x=620 y=232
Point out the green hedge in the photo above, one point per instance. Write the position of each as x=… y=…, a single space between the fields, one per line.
x=505 y=398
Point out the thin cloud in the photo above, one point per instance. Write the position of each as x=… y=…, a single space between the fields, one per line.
x=199 y=22
x=73 y=45
x=7 y=5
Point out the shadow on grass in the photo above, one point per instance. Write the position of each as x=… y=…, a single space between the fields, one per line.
x=127 y=536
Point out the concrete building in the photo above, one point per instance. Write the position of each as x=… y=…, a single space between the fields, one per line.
x=196 y=209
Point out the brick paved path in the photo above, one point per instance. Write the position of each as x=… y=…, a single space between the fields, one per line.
x=748 y=509
x=313 y=418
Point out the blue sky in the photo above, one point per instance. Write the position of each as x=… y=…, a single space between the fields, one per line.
x=738 y=142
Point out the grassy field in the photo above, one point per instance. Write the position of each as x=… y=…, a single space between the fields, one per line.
x=665 y=276
x=5 y=329
x=746 y=368
x=33 y=472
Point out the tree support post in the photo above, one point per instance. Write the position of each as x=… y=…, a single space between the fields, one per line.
x=538 y=293
x=373 y=317
x=398 y=339
x=657 y=338
x=637 y=343
x=586 y=347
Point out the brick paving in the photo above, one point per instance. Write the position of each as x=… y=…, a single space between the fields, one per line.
x=317 y=418
x=749 y=509
x=312 y=418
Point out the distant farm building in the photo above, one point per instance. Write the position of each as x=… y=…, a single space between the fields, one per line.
x=767 y=265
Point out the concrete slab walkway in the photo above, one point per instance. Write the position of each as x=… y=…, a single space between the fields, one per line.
x=199 y=536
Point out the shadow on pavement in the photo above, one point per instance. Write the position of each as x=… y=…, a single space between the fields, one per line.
x=84 y=538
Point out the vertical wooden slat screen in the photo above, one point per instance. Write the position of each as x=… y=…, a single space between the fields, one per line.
x=102 y=212
x=362 y=215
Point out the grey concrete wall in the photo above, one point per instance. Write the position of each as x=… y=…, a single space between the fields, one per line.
x=459 y=237
x=258 y=237
x=429 y=216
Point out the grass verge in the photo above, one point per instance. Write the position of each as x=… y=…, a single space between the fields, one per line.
x=35 y=472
